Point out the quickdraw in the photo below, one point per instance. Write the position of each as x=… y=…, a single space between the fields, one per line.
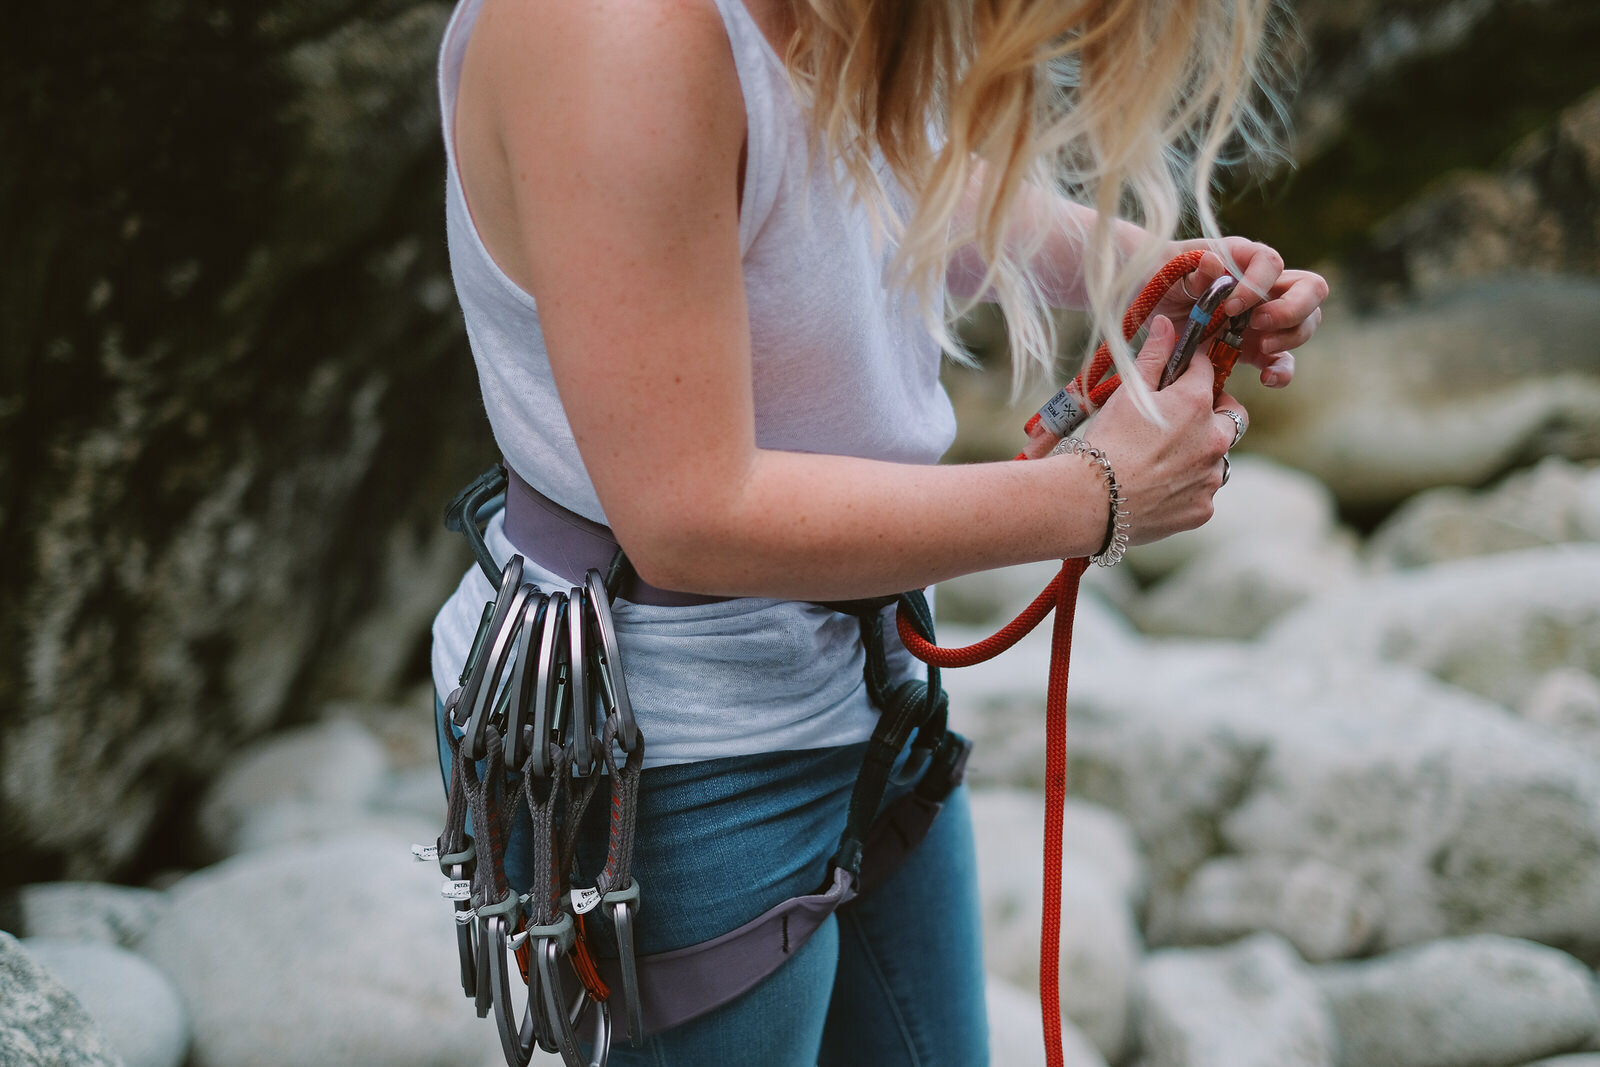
x=522 y=733
x=1060 y=416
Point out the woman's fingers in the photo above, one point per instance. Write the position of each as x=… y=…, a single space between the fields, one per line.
x=1277 y=371
x=1158 y=343
x=1297 y=294
x=1272 y=342
x=1262 y=268
x=1232 y=418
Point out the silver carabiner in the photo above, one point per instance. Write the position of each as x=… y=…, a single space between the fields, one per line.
x=510 y=584
x=581 y=730
x=520 y=692
x=490 y=673
x=548 y=689
x=1195 y=327
x=620 y=905
x=608 y=654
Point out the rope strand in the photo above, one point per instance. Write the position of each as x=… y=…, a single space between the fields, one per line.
x=1061 y=596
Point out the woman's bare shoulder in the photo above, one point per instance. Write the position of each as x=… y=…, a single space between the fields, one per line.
x=619 y=58
x=630 y=107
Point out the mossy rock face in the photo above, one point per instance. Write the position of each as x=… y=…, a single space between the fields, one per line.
x=235 y=391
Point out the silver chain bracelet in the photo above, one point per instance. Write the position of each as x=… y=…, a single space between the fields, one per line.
x=1117 y=524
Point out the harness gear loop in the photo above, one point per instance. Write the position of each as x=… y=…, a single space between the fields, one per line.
x=1061 y=595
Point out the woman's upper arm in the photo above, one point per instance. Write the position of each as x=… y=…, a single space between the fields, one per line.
x=622 y=123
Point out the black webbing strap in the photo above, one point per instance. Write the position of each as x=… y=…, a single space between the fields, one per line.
x=909 y=706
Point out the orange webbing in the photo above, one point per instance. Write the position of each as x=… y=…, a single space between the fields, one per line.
x=1062 y=596
x=583 y=966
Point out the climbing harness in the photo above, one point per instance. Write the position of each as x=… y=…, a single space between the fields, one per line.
x=545 y=667
x=1060 y=415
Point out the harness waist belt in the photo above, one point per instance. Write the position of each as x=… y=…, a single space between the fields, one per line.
x=564 y=542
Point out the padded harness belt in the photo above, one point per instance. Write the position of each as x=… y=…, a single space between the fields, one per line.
x=569 y=545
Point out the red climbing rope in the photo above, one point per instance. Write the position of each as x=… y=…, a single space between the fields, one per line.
x=1061 y=595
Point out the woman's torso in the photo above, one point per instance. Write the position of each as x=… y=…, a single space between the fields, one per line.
x=840 y=364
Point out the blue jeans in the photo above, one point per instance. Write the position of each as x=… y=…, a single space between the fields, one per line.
x=894 y=978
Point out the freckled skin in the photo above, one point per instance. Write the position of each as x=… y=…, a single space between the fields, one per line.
x=622 y=221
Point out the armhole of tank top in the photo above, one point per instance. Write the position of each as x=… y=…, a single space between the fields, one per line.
x=753 y=60
x=451 y=50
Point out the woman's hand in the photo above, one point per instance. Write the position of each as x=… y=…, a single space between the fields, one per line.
x=1167 y=475
x=1288 y=303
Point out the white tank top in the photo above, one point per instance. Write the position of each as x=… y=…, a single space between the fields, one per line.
x=840 y=364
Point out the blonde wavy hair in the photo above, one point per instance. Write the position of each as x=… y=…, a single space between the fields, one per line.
x=1127 y=106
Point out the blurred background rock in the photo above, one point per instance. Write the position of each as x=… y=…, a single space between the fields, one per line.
x=235 y=394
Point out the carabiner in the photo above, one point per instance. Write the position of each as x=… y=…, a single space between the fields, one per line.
x=608 y=656
x=510 y=586
x=458 y=867
x=1194 y=329
x=620 y=905
x=554 y=942
x=491 y=671
x=581 y=728
x=548 y=688
x=520 y=693
x=518 y=1039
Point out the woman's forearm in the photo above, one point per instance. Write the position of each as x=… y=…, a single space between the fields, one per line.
x=821 y=527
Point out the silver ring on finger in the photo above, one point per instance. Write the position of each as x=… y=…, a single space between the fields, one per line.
x=1238 y=424
x=1227 y=469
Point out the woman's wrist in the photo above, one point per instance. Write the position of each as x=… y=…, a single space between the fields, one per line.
x=1118 y=523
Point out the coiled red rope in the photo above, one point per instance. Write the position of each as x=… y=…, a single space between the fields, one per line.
x=1061 y=596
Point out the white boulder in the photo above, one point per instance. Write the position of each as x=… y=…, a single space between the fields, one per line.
x=1250 y=1004
x=1542 y=506
x=1326 y=912
x=88 y=911
x=41 y=1022
x=338 y=951
x=1484 y=1001
x=1566 y=701
x=1236 y=589
x=131 y=1001
x=304 y=783
x=1016 y=1035
x=1492 y=624
x=1460 y=817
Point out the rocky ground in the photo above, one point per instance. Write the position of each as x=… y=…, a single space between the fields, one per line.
x=1336 y=804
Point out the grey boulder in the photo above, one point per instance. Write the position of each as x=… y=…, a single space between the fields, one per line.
x=1325 y=911
x=337 y=951
x=132 y=1002
x=1493 y=624
x=1484 y=1001
x=41 y=1023
x=87 y=911
x=1250 y=1004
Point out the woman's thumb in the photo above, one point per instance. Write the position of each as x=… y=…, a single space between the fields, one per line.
x=1158 y=343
